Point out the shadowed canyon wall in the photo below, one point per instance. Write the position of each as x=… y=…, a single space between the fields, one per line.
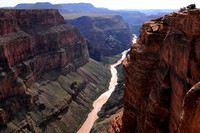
x=160 y=71
x=106 y=34
x=32 y=43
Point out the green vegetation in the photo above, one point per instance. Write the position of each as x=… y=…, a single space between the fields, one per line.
x=189 y=7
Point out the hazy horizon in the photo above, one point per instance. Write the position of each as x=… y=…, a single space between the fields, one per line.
x=116 y=5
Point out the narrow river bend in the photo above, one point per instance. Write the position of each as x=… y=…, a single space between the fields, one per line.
x=98 y=103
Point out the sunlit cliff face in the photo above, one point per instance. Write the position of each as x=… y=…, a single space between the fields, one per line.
x=32 y=43
x=159 y=71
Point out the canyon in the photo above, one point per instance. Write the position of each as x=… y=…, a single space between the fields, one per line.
x=101 y=100
x=114 y=104
x=106 y=34
x=135 y=18
x=47 y=80
x=162 y=73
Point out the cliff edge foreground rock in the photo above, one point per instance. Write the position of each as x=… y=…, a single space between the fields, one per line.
x=162 y=73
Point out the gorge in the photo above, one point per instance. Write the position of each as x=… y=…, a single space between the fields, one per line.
x=106 y=34
x=46 y=75
x=98 y=103
x=48 y=82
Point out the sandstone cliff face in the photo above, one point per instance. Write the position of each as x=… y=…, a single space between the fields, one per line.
x=159 y=72
x=105 y=34
x=32 y=43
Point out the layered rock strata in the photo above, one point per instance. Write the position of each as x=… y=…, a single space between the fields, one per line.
x=32 y=43
x=106 y=34
x=159 y=72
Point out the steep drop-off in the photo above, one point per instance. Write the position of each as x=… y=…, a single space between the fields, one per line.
x=32 y=43
x=159 y=72
x=47 y=81
x=64 y=100
x=105 y=34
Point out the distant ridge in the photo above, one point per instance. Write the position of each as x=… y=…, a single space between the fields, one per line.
x=134 y=17
x=43 y=5
x=82 y=7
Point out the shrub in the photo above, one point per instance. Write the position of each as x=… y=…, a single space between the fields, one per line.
x=183 y=9
x=189 y=7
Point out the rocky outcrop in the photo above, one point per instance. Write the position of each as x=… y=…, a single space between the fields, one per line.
x=32 y=43
x=105 y=34
x=64 y=100
x=189 y=122
x=159 y=72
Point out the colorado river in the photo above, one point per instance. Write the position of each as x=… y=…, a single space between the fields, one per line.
x=98 y=103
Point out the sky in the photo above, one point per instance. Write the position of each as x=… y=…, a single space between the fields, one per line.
x=115 y=4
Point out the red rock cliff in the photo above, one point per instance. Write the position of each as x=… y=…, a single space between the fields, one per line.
x=159 y=72
x=33 y=42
